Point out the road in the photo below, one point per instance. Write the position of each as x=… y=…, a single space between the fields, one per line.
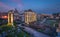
x=33 y=32
x=43 y=20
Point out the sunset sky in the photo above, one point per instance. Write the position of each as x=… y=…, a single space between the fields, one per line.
x=40 y=6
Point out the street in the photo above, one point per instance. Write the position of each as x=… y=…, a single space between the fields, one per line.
x=33 y=32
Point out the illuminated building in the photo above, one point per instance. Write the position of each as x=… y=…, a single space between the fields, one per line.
x=10 y=18
x=30 y=16
x=38 y=16
x=16 y=14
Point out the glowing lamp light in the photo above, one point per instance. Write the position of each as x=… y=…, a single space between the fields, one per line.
x=4 y=17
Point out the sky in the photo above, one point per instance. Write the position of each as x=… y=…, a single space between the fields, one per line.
x=39 y=6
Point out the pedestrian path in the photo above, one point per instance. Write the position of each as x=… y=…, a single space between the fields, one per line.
x=58 y=34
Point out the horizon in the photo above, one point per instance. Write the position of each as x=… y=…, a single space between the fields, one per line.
x=39 y=6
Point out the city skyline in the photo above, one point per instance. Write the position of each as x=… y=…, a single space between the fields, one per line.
x=39 y=6
x=29 y=18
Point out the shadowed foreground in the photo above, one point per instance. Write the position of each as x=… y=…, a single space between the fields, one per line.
x=33 y=32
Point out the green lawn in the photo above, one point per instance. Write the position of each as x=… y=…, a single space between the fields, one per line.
x=5 y=28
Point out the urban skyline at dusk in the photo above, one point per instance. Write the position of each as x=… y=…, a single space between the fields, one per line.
x=29 y=18
x=39 y=6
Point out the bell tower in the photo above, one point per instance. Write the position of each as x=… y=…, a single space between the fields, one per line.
x=10 y=17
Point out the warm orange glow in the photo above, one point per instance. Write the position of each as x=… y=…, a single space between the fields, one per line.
x=4 y=16
x=10 y=18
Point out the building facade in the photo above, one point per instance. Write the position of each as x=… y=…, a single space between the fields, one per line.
x=10 y=18
x=29 y=16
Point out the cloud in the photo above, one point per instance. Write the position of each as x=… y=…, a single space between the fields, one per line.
x=19 y=5
x=19 y=2
x=4 y=7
